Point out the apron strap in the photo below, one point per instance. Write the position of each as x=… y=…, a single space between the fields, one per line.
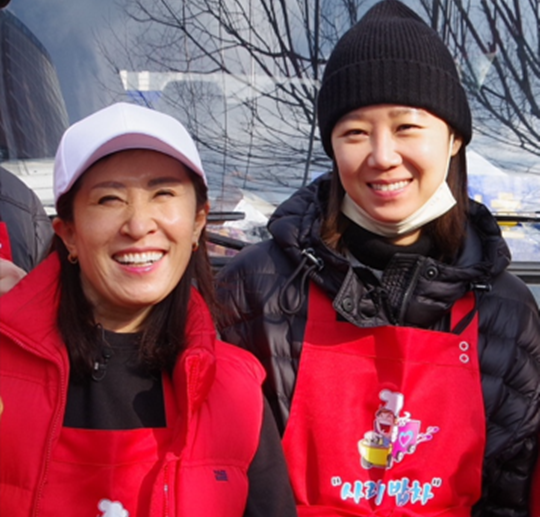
x=463 y=313
x=317 y=305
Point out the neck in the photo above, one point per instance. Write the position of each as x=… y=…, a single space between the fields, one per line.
x=406 y=240
x=121 y=321
x=376 y=252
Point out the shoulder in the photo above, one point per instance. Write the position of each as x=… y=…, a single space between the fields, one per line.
x=37 y=289
x=511 y=297
x=511 y=286
x=509 y=347
x=252 y=274
x=29 y=227
x=265 y=256
x=28 y=314
x=509 y=312
x=15 y=193
x=233 y=359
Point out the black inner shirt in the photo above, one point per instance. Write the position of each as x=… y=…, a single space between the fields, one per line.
x=126 y=396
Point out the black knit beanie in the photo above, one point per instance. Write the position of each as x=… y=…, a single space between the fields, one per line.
x=391 y=56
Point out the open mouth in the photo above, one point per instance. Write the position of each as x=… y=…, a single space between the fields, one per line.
x=389 y=187
x=385 y=428
x=139 y=259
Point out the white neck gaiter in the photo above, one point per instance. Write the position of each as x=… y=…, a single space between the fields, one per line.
x=438 y=204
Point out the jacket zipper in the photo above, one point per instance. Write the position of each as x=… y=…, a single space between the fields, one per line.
x=192 y=369
x=408 y=294
x=166 y=488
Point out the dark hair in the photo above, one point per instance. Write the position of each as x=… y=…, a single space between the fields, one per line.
x=163 y=335
x=447 y=232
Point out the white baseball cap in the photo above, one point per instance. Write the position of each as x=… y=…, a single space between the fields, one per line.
x=119 y=127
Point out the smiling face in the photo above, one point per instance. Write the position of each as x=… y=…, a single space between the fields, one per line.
x=385 y=422
x=135 y=220
x=391 y=158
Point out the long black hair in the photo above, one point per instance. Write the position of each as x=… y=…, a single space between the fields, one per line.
x=163 y=333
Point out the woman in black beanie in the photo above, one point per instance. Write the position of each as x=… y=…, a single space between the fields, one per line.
x=403 y=360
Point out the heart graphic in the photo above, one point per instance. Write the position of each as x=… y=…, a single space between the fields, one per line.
x=405 y=438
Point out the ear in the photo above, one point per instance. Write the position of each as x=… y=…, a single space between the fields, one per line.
x=201 y=217
x=65 y=230
x=456 y=145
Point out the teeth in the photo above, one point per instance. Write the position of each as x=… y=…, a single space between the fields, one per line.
x=388 y=187
x=139 y=258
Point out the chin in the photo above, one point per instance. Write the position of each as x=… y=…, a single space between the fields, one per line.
x=390 y=220
x=393 y=218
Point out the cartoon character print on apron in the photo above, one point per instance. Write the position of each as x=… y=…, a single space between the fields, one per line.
x=388 y=420
x=109 y=473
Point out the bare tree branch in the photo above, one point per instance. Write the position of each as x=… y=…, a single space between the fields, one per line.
x=248 y=72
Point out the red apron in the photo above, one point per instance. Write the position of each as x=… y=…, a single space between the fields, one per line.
x=535 y=492
x=104 y=473
x=388 y=420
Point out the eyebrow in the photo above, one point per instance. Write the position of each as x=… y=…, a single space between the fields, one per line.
x=394 y=113
x=108 y=184
x=165 y=180
x=155 y=182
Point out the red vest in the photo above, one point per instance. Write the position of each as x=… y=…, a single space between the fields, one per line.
x=217 y=392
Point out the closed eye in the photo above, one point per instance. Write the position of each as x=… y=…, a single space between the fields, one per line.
x=407 y=127
x=354 y=132
x=165 y=193
x=108 y=199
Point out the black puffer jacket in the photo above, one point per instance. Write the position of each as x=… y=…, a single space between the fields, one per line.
x=29 y=228
x=265 y=288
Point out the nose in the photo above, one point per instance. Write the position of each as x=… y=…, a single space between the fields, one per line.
x=139 y=220
x=384 y=153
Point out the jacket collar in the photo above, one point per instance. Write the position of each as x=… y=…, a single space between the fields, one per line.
x=432 y=285
x=28 y=315
x=196 y=367
x=28 y=311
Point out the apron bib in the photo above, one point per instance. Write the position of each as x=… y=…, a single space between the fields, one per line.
x=107 y=473
x=386 y=421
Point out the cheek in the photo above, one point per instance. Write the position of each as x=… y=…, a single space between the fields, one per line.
x=433 y=155
x=178 y=211
x=93 y=227
x=349 y=162
x=433 y=174
x=350 y=181
x=93 y=237
x=344 y=162
x=181 y=226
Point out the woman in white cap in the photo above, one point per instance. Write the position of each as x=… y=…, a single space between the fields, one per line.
x=403 y=360
x=119 y=400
